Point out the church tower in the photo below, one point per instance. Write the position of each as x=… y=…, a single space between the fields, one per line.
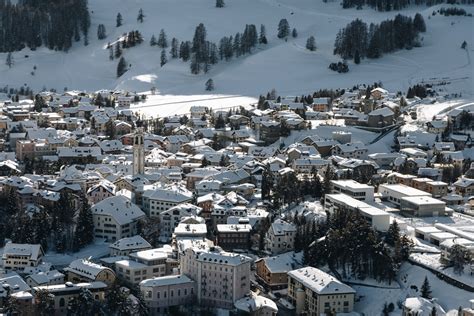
x=138 y=152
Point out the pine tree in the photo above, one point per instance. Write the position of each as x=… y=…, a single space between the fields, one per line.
x=118 y=20
x=153 y=40
x=283 y=28
x=209 y=85
x=118 y=50
x=9 y=62
x=220 y=3
x=393 y=234
x=356 y=57
x=44 y=303
x=174 y=48
x=84 y=234
x=111 y=53
x=195 y=67
x=140 y=16
x=163 y=58
x=121 y=67
x=426 y=289
x=262 y=39
x=419 y=23
x=294 y=33
x=464 y=45
x=162 y=39
x=101 y=33
x=311 y=43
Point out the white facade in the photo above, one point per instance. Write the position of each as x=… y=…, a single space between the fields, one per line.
x=354 y=189
x=394 y=192
x=280 y=237
x=19 y=256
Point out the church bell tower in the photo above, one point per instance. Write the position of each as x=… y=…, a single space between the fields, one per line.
x=138 y=152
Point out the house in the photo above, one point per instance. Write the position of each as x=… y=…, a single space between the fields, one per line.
x=378 y=93
x=116 y=218
x=17 y=257
x=381 y=117
x=315 y=292
x=280 y=237
x=170 y=219
x=419 y=306
x=125 y=246
x=233 y=236
x=62 y=294
x=356 y=150
x=45 y=278
x=253 y=304
x=83 y=270
x=158 y=200
x=436 y=126
x=100 y=191
x=307 y=165
x=13 y=287
x=321 y=104
x=464 y=186
x=271 y=272
x=358 y=191
x=161 y=293
x=222 y=278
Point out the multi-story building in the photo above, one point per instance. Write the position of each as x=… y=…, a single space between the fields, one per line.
x=358 y=191
x=83 y=270
x=170 y=219
x=221 y=277
x=394 y=192
x=163 y=292
x=19 y=256
x=63 y=293
x=314 y=292
x=280 y=237
x=162 y=199
x=144 y=265
x=115 y=218
x=464 y=186
x=234 y=236
x=271 y=272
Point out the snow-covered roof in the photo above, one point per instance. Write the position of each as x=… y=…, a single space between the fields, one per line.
x=85 y=268
x=280 y=227
x=319 y=281
x=284 y=262
x=253 y=303
x=135 y=242
x=385 y=112
x=234 y=228
x=34 y=251
x=118 y=207
x=166 y=281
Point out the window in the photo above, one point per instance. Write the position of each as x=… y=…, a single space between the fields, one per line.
x=62 y=302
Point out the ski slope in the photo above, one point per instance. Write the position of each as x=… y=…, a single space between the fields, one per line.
x=286 y=66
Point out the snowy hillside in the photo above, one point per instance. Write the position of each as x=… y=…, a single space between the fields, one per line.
x=285 y=66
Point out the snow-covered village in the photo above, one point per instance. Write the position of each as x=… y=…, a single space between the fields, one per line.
x=320 y=161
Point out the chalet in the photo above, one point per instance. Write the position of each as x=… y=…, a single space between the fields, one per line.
x=17 y=257
x=321 y=104
x=350 y=150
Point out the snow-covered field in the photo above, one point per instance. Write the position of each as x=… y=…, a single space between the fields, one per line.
x=285 y=66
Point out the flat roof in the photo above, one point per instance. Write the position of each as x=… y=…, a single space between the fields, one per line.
x=423 y=200
x=404 y=189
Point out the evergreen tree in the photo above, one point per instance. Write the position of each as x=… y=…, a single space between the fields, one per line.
x=174 y=48
x=121 y=67
x=283 y=28
x=311 y=43
x=262 y=39
x=118 y=50
x=458 y=258
x=195 y=67
x=44 y=303
x=294 y=33
x=140 y=16
x=419 y=23
x=220 y=3
x=209 y=85
x=84 y=234
x=185 y=50
x=426 y=289
x=464 y=45
x=163 y=58
x=153 y=40
x=118 y=20
x=111 y=53
x=101 y=33
x=162 y=39
x=9 y=61
x=357 y=57
x=393 y=234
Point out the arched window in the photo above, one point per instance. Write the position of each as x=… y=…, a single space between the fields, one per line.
x=62 y=302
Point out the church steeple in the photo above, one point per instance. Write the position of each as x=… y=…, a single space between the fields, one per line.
x=138 y=152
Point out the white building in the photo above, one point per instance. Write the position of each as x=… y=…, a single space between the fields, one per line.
x=354 y=189
x=170 y=219
x=83 y=270
x=162 y=199
x=19 y=256
x=45 y=278
x=280 y=237
x=423 y=206
x=144 y=265
x=221 y=277
x=378 y=219
x=116 y=218
x=125 y=246
x=163 y=292
x=315 y=292
x=395 y=192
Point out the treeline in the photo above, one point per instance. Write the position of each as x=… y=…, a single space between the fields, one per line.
x=357 y=40
x=453 y=11
x=36 y=23
x=388 y=5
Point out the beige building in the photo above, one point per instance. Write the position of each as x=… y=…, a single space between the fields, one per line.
x=63 y=293
x=163 y=292
x=280 y=237
x=82 y=270
x=315 y=292
x=19 y=256
x=222 y=278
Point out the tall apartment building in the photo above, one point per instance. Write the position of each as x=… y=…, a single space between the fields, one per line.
x=221 y=277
